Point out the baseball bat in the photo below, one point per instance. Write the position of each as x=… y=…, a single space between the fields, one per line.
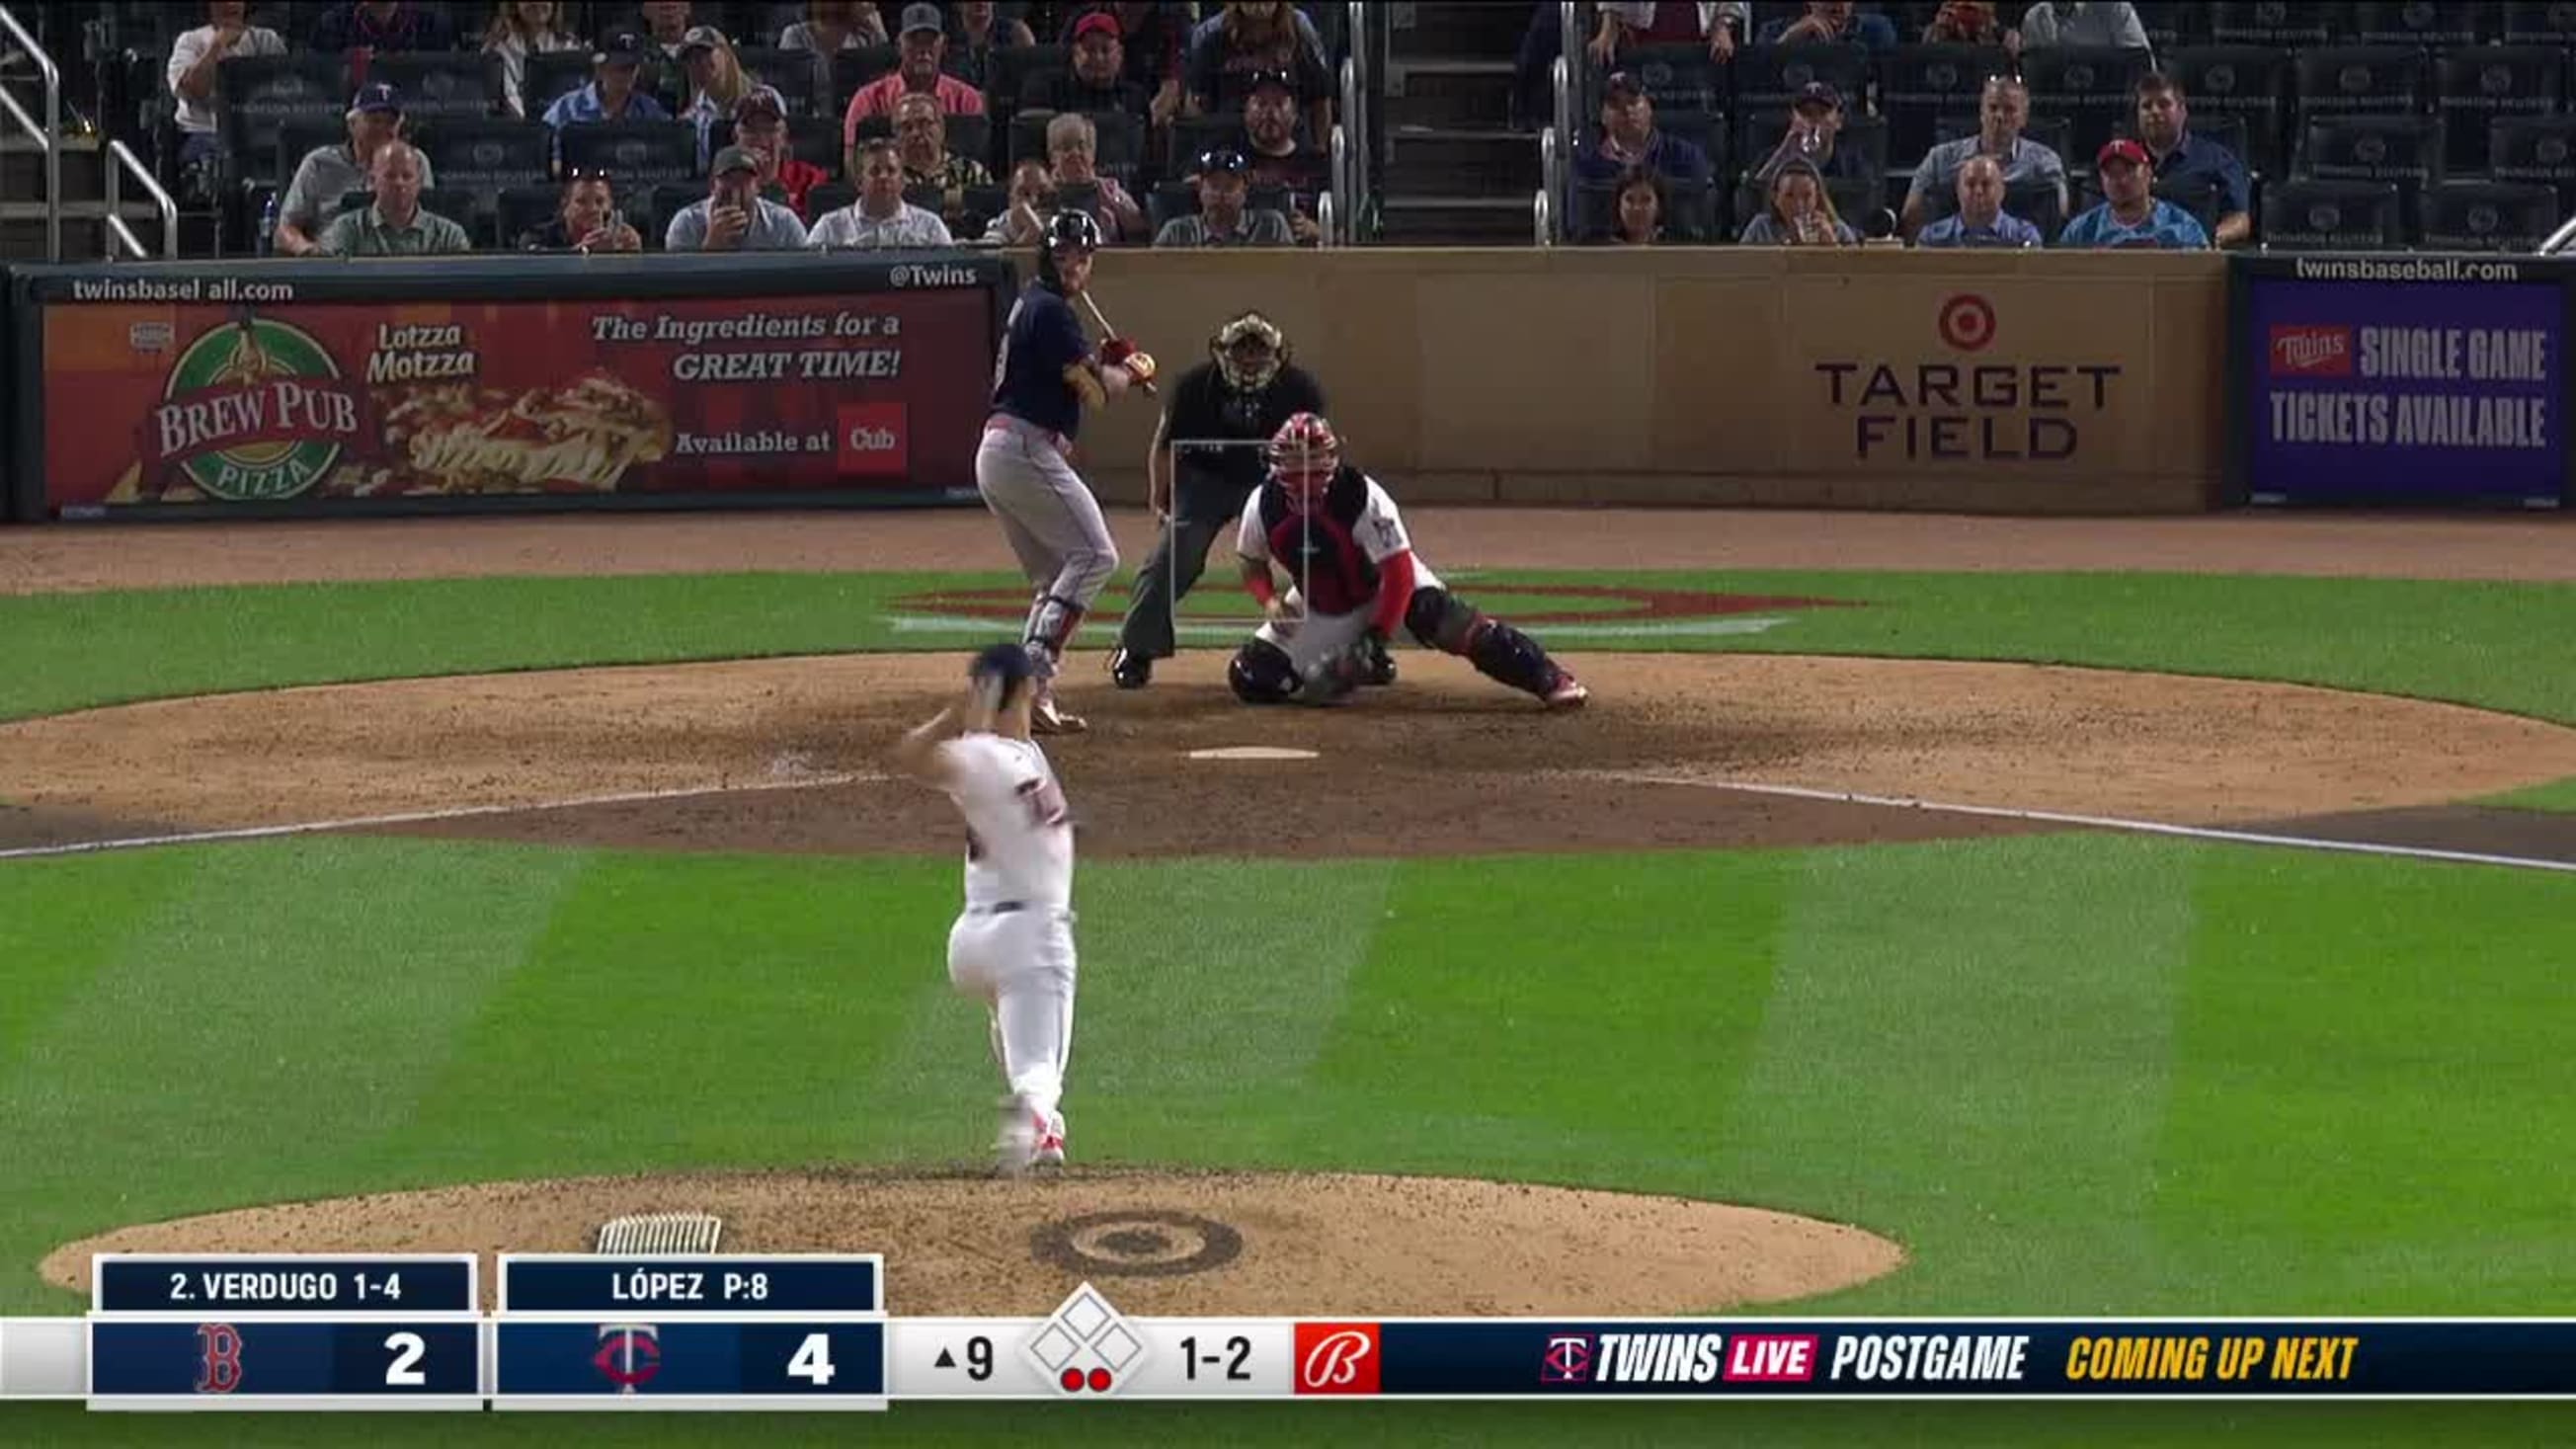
x=1102 y=318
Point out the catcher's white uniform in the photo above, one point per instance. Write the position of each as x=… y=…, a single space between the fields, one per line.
x=1330 y=602
x=1012 y=946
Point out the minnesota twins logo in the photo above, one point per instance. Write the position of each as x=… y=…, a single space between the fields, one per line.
x=1567 y=1360
x=629 y=1355
x=252 y=410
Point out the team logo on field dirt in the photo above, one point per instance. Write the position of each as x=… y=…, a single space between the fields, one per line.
x=1139 y=1243
x=253 y=411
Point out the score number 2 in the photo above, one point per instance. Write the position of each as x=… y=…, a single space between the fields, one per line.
x=1238 y=1347
x=405 y=1372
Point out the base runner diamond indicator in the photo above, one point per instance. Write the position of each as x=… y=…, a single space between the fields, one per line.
x=1086 y=1345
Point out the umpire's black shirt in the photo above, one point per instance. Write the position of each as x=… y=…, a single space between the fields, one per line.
x=1202 y=406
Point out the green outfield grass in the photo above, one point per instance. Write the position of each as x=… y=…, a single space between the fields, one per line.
x=2074 y=1074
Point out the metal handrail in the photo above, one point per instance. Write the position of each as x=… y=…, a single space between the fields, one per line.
x=1326 y=217
x=1561 y=76
x=1350 y=186
x=120 y=159
x=1363 y=121
x=1551 y=164
x=1339 y=166
x=49 y=136
x=1542 y=219
x=2559 y=240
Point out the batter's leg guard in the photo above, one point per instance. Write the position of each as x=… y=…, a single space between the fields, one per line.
x=1052 y=621
x=1262 y=673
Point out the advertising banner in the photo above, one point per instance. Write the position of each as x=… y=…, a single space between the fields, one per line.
x=2431 y=381
x=238 y=396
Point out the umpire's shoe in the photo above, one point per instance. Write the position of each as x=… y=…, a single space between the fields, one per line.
x=1130 y=670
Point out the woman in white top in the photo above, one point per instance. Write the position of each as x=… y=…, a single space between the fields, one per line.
x=716 y=80
x=519 y=29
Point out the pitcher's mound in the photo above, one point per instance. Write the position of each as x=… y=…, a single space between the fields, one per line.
x=1216 y=1244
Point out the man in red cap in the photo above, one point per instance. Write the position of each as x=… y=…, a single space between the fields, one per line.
x=2132 y=215
x=1097 y=79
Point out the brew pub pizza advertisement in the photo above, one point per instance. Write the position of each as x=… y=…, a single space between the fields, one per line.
x=309 y=403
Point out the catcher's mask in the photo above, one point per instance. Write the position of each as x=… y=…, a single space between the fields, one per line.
x=1303 y=457
x=1249 y=351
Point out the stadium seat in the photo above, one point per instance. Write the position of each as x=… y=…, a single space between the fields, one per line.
x=2248 y=84
x=639 y=153
x=816 y=139
x=2331 y=216
x=1918 y=84
x=830 y=196
x=2422 y=22
x=852 y=69
x=441 y=85
x=2037 y=204
x=2478 y=85
x=1761 y=136
x=2405 y=151
x=260 y=93
x=486 y=157
x=2488 y=216
x=1767 y=76
x=552 y=75
x=2278 y=22
x=2086 y=86
x=790 y=73
x=1676 y=77
x=517 y=210
x=1012 y=68
x=2527 y=22
x=981 y=205
x=297 y=140
x=2538 y=149
x=2171 y=24
x=1704 y=129
x=2361 y=80
x=669 y=199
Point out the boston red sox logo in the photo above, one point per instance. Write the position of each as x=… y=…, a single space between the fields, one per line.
x=219 y=1358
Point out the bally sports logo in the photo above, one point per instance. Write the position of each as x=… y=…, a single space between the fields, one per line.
x=1337 y=1358
x=875 y=439
x=2311 y=351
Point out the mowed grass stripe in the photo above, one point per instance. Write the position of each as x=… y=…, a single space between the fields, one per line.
x=60 y=920
x=277 y=1010
x=1572 y=1019
x=2375 y=1104
x=688 y=1010
x=1967 y=1047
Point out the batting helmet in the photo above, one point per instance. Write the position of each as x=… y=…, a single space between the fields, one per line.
x=1304 y=455
x=1066 y=231
x=1249 y=351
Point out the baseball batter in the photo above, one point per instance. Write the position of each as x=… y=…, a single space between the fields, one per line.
x=1241 y=394
x=1012 y=946
x=1352 y=577
x=1045 y=377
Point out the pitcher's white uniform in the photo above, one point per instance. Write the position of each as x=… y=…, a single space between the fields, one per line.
x=1335 y=551
x=1013 y=944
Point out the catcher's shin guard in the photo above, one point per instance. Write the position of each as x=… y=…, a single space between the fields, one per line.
x=1508 y=656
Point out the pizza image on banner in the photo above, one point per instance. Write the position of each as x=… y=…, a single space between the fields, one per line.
x=253 y=411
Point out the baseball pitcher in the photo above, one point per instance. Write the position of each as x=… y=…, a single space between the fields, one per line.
x=1044 y=378
x=1352 y=577
x=1241 y=394
x=1012 y=947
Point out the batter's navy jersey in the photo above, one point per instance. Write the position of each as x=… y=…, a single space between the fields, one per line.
x=1333 y=552
x=1041 y=340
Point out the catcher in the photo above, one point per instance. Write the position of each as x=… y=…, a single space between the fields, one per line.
x=1353 y=578
x=1242 y=393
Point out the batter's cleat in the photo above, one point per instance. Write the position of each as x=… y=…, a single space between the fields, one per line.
x=1377 y=667
x=1567 y=693
x=1050 y=1144
x=1046 y=717
x=1131 y=670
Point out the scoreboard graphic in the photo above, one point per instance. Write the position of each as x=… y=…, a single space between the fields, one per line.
x=609 y=1333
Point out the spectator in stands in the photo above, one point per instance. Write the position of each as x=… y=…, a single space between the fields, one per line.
x=193 y=58
x=1629 y=138
x=2190 y=163
x=1096 y=80
x=1224 y=182
x=1799 y=213
x=2002 y=111
x=879 y=216
x=1156 y=36
x=1072 y=148
x=666 y=37
x=328 y=173
x=615 y=92
x=585 y=221
x=1970 y=22
x=760 y=127
x=393 y=224
x=1815 y=123
x=1023 y=221
x=1981 y=220
x=2132 y=215
x=1268 y=141
x=734 y=216
x=1638 y=208
x=1250 y=38
x=2082 y=22
x=1832 y=22
x=923 y=45
x=921 y=144
x=830 y=27
x=519 y=29
x=974 y=32
x=717 y=81
x=383 y=25
x=1659 y=22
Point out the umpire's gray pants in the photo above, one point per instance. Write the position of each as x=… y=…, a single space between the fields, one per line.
x=1204 y=509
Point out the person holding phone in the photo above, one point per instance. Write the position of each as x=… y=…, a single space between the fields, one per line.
x=735 y=217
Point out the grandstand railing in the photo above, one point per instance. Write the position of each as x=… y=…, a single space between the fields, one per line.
x=1341 y=168
x=1551 y=180
x=48 y=135
x=1327 y=218
x=121 y=159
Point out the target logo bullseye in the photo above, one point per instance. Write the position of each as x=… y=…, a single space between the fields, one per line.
x=1967 y=322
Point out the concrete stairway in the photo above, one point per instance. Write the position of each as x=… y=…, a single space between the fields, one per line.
x=1457 y=172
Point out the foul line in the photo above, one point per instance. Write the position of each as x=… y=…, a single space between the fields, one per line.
x=2105 y=822
x=419 y=817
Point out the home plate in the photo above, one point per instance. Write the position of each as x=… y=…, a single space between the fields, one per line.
x=1253 y=752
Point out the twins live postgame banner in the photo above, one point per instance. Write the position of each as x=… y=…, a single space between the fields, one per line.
x=2401 y=379
x=342 y=386
x=797 y=1331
